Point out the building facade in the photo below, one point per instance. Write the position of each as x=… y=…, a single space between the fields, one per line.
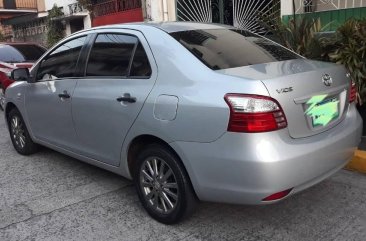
x=32 y=26
x=117 y=11
x=14 y=8
x=75 y=17
x=331 y=13
x=26 y=20
x=244 y=13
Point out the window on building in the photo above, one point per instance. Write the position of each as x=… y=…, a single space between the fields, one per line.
x=10 y=4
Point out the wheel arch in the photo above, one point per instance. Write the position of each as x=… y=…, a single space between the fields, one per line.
x=141 y=141
x=9 y=106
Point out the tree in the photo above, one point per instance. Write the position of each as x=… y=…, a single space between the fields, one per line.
x=55 y=28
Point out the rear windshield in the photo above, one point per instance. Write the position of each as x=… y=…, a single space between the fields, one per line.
x=19 y=53
x=230 y=48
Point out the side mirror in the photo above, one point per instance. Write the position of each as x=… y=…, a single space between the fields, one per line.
x=21 y=74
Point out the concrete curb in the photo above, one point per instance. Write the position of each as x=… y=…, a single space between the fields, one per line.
x=358 y=162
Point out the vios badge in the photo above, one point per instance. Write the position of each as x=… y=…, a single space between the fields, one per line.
x=327 y=80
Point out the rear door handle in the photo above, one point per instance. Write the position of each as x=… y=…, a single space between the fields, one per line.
x=64 y=95
x=126 y=98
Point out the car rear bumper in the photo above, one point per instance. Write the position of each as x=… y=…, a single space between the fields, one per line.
x=244 y=168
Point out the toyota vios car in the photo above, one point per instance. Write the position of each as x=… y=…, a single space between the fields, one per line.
x=188 y=111
x=16 y=55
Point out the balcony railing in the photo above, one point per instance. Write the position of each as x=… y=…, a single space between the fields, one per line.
x=325 y=5
x=115 y=6
x=74 y=8
x=19 y=4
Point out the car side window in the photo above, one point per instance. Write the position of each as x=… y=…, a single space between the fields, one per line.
x=140 y=65
x=61 y=62
x=111 y=55
x=119 y=55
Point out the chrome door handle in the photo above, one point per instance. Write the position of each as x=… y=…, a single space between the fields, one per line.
x=126 y=98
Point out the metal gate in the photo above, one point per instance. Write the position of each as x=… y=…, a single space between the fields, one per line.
x=239 y=13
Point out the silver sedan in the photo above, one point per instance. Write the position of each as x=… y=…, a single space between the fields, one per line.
x=188 y=111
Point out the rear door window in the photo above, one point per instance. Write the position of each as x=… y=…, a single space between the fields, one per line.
x=118 y=55
x=111 y=55
x=140 y=65
x=230 y=48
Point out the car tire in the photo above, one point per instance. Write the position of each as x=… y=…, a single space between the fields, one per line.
x=163 y=185
x=19 y=134
x=2 y=98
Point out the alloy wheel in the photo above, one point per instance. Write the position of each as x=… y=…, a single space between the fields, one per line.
x=159 y=185
x=18 y=131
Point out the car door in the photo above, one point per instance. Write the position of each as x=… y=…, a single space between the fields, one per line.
x=48 y=99
x=119 y=74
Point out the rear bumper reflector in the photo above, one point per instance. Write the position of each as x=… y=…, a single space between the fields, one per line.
x=277 y=195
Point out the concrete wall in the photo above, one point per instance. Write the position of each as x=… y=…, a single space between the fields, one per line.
x=286 y=7
x=87 y=22
x=49 y=3
x=41 y=6
x=321 y=5
x=160 y=10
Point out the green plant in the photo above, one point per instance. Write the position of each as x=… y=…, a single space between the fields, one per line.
x=55 y=28
x=350 y=50
x=299 y=34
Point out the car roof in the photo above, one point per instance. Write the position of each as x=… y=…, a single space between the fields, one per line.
x=168 y=27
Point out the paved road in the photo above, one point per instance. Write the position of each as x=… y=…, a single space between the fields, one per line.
x=49 y=196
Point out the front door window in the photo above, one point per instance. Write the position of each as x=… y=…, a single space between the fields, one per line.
x=61 y=62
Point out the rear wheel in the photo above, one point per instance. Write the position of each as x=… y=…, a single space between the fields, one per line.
x=2 y=98
x=163 y=185
x=19 y=134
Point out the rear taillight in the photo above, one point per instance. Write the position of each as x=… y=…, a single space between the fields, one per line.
x=254 y=113
x=352 y=92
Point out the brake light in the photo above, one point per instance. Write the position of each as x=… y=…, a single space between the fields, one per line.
x=352 y=92
x=254 y=113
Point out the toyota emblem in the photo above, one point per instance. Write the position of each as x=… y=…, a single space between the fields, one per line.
x=327 y=80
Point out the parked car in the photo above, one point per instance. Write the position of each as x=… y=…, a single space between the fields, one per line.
x=16 y=55
x=189 y=111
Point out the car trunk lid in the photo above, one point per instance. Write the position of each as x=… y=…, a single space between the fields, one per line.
x=313 y=94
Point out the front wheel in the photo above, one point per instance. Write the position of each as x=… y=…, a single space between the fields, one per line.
x=2 y=98
x=19 y=134
x=163 y=185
